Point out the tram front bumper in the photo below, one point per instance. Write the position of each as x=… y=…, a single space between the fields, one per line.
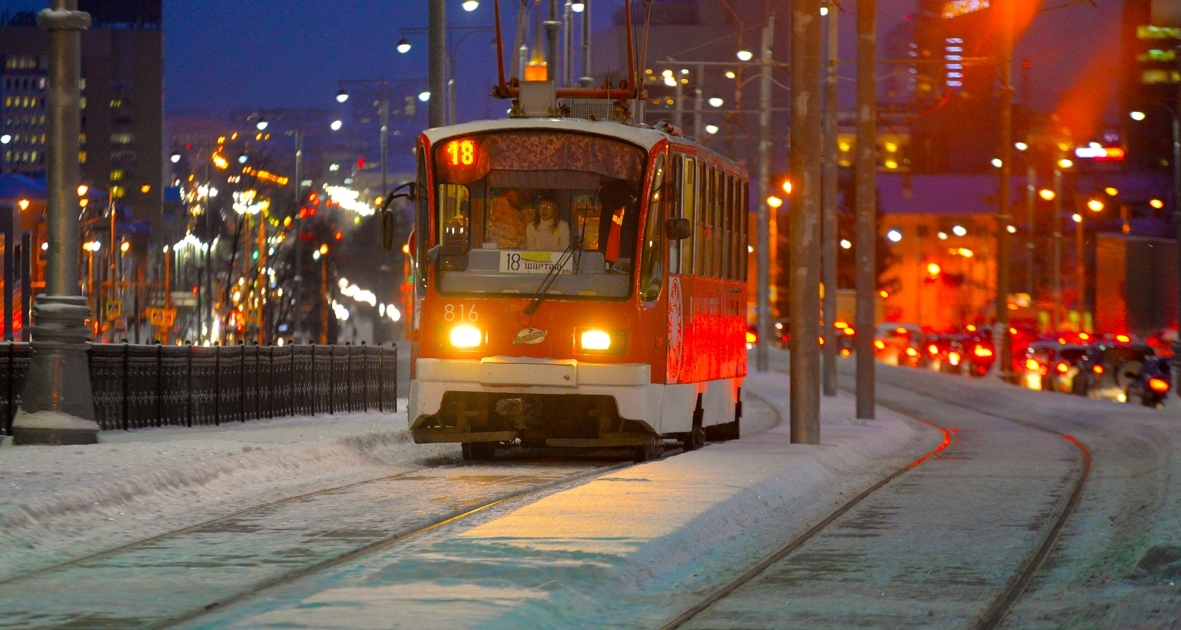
x=630 y=385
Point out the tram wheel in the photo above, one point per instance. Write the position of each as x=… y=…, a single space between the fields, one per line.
x=694 y=439
x=478 y=451
x=646 y=451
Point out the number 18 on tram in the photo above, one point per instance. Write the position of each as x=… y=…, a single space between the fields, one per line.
x=576 y=284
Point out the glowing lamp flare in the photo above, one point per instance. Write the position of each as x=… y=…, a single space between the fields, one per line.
x=1062 y=368
x=879 y=344
x=982 y=351
x=466 y=336
x=1158 y=385
x=1032 y=364
x=954 y=358
x=1095 y=205
x=595 y=340
x=1098 y=369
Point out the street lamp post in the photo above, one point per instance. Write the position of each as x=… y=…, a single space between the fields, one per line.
x=57 y=405
x=449 y=66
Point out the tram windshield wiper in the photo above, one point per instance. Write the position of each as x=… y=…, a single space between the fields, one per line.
x=551 y=275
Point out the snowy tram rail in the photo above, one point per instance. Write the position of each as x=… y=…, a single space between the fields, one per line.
x=845 y=558
x=183 y=574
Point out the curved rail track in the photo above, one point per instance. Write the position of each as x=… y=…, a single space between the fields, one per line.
x=1015 y=586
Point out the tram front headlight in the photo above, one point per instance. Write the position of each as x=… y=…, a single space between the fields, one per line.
x=466 y=336
x=596 y=340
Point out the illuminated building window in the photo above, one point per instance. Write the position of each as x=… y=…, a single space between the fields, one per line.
x=82 y=157
x=1157 y=55
x=1160 y=76
x=116 y=174
x=1157 y=32
x=118 y=192
x=122 y=138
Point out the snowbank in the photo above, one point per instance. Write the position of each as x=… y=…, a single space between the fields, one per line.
x=59 y=502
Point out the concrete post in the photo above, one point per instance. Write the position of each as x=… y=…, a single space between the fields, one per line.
x=866 y=231
x=57 y=405
x=806 y=62
x=437 y=62
x=762 y=351
x=829 y=202
x=1004 y=216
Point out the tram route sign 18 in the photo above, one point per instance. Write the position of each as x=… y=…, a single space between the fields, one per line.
x=160 y=317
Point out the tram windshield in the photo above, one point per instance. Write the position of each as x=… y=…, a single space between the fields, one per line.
x=513 y=206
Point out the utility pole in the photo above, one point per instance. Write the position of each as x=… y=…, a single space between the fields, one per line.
x=552 y=26
x=1030 y=207
x=57 y=405
x=437 y=61
x=806 y=62
x=297 y=314
x=762 y=346
x=1056 y=264
x=829 y=201
x=1004 y=217
x=1177 y=225
x=866 y=229
x=586 y=80
x=678 y=97
x=699 y=104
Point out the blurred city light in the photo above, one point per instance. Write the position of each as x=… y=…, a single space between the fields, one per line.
x=894 y=236
x=1047 y=194
x=1137 y=116
x=959 y=230
x=711 y=129
x=1095 y=205
x=1157 y=203
x=716 y=101
x=336 y=125
x=403 y=46
x=745 y=55
x=342 y=96
x=470 y=5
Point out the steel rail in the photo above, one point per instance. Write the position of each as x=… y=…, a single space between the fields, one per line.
x=995 y=613
x=389 y=541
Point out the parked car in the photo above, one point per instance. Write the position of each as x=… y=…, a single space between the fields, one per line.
x=890 y=341
x=1108 y=371
x=1151 y=385
x=1065 y=367
x=1036 y=362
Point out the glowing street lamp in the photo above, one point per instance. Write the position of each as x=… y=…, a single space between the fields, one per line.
x=261 y=124
x=1094 y=205
x=716 y=101
x=745 y=55
x=342 y=96
x=175 y=157
x=1047 y=194
x=403 y=45
x=894 y=236
x=711 y=129
x=336 y=125
x=774 y=202
x=424 y=96
x=1137 y=115
x=470 y=5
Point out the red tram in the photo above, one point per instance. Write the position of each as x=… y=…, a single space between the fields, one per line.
x=576 y=284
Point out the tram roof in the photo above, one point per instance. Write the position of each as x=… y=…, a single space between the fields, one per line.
x=645 y=137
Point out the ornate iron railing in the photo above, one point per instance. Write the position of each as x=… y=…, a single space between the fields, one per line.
x=138 y=386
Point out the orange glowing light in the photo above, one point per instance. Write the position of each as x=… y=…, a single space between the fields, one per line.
x=849 y=331
x=845 y=353
x=884 y=293
x=900 y=330
x=1098 y=369
x=822 y=340
x=982 y=351
x=1012 y=331
x=1158 y=385
x=1084 y=336
x=879 y=344
x=840 y=325
x=933 y=349
x=461 y=152
x=934 y=269
x=953 y=357
x=1062 y=368
x=751 y=337
x=1047 y=194
x=1031 y=364
x=911 y=352
x=1123 y=338
x=971 y=327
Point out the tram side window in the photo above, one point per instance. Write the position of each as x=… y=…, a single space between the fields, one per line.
x=676 y=164
x=705 y=250
x=735 y=230
x=689 y=206
x=744 y=241
x=652 y=255
x=726 y=226
x=422 y=226
x=454 y=210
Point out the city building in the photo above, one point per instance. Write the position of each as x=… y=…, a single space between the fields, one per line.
x=122 y=100
x=1149 y=74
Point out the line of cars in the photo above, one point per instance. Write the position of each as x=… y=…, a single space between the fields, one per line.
x=970 y=351
x=1110 y=367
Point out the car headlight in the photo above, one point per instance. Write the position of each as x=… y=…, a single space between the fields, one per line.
x=466 y=336
x=599 y=341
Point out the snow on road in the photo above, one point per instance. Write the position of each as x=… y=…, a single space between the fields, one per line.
x=629 y=549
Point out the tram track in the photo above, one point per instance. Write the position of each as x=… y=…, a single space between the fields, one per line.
x=994 y=614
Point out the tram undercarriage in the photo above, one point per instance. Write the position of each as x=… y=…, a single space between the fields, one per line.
x=481 y=420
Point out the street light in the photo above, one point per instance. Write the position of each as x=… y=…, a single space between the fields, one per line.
x=403 y=45
x=711 y=129
x=1137 y=116
x=1094 y=205
x=716 y=101
x=336 y=125
x=470 y=5
x=745 y=55
x=424 y=96
x=261 y=124
x=578 y=7
x=342 y=96
x=175 y=157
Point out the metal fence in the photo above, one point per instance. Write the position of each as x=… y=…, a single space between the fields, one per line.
x=138 y=386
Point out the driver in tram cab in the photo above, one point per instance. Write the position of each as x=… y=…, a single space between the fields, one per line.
x=547 y=231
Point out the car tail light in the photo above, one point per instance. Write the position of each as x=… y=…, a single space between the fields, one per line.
x=845 y=353
x=1158 y=385
x=849 y=331
x=933 y=349
x=954 y=358
x=1062 y=367
x=1098 y=369
x=911 y=352
x=879 y=344
x=822 y=340
x=1032 y=364
x=751 y=337
x=982 y=351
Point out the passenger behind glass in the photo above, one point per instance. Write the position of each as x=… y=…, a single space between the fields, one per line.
x=508 y=214
x=547 y=231
x=617 y=228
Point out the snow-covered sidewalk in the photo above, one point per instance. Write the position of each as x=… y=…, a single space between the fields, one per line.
x=630 y=549
x=59 y=502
